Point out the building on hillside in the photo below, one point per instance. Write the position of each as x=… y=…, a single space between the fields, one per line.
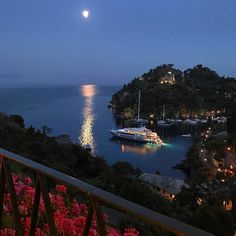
x=166 y=186
x=228 y=205
x=168 y=78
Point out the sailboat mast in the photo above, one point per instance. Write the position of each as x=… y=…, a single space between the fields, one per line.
x=164 y=111
x=139 y=94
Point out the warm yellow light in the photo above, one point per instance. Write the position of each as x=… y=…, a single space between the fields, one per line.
x=88 y=90
x=199 y=201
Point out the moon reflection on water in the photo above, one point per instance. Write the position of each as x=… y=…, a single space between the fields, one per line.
x=86 y=134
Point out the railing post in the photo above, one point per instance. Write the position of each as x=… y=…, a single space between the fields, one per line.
x=88 y=219
x=34 y=217
x=47 y=204
x=99 y=216
x=11 y=188
x=2 y=188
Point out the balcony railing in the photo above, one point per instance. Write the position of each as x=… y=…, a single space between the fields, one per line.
x=97 y=198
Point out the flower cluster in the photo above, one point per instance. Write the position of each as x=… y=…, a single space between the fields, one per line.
x=70 y=218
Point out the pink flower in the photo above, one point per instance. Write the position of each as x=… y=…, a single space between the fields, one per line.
x=70 y=218
x=61 y=188
x=78 y=208
x=113 y=232
x=93 y=232
x=7 y=232
x=28 y=181
x=131 y=232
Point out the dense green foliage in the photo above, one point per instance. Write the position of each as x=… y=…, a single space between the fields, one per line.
x=198 y=90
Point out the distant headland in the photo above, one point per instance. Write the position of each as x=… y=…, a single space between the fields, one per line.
x=198 y=91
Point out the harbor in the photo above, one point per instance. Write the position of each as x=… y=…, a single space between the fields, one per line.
x=82 y=113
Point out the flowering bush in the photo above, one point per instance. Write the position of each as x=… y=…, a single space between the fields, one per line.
x=69 y=218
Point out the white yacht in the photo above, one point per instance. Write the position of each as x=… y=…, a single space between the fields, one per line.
x=138 y=135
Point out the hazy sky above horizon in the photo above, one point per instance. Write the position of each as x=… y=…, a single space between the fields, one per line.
x=50 y=42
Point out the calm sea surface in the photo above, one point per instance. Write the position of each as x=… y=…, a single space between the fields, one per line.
x=82 y=113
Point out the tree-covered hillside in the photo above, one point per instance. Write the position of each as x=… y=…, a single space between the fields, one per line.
x=196 y=91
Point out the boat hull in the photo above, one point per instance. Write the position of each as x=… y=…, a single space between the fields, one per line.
x=131 y=137
x=187 y=135
x=139 y=122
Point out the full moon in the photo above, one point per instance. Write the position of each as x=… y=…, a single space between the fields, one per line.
x=85 y=14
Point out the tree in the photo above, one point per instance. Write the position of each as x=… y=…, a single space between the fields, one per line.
x=213 y=219
x=18 y=120
x=123 y=168
x=231 y=128
x=46 y=130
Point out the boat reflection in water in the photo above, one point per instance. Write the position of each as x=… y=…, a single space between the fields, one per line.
x=137 y=148
x=86 y=135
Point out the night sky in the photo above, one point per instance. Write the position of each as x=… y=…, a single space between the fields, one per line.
x=48 y=41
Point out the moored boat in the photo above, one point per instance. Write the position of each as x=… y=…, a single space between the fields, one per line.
x=141 y=134
x=163 y=122
x=187 y=135
x=87 y=147
x=110 y=105
x=139 y=122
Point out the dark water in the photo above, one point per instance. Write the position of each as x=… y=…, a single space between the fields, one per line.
x=82 y=113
